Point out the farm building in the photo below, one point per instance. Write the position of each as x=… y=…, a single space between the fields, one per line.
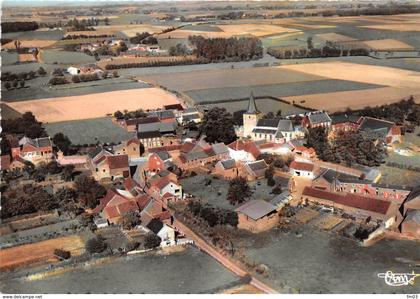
x=302 y=169
x=33 y=150
x=257 y=216
x=255 y=169
x=380 y=129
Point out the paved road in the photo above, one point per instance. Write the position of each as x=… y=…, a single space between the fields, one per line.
x=213 y=252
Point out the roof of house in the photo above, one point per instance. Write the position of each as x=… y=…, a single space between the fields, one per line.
x=351 y=200
x=162 y=127
x=302 y=166
x=37 y=142
x=374 y=124
x=280 y=197
x=189 y=117
x=219 y=148
x=343 y=118
x=413 y=215
x=155 y=225
x=285 y=125
x=150 y=134
x=252 y=107
x=257 y=165
x=256 y=209
x=142 y=120
x=273 y=122
x=228 y=164
x=163 y=114
x=163 y=155
x=174 y=106
x=248 y=146
x=264 y=131
x=319 y=117
x=118 y=161
x=330 y=175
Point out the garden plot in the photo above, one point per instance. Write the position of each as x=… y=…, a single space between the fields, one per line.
x=65 y=57
x=89 y=131
x=30 y=44
x=24 y=255
x=96 y=104
x=395 y=27
x=335 y=37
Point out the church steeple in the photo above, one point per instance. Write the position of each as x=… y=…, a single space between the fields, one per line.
x=252 y=107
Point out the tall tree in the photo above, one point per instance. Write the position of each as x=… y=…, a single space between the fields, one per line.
x=218 y=126
x=239 y=191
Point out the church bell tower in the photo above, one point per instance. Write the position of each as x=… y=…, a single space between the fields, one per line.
x=251 y=116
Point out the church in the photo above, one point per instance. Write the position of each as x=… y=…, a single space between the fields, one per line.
x=273 y=130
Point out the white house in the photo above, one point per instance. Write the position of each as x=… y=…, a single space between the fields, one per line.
x=73 y=70
x=302 y=169
x=243 y=150
x=165 y=185
x=163 y=231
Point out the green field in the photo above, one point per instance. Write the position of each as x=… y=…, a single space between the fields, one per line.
x=89 y=131
x=208 y=96
x=66 y=57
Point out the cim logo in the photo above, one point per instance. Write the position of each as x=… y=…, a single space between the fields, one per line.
x=398 y=279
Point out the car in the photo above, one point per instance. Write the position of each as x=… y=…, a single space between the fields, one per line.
x=327 y=209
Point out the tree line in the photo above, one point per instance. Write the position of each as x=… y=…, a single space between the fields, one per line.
x=157 y=63
x=326 y=51
x=213 y=216
x=227 y=49
x=18 y=26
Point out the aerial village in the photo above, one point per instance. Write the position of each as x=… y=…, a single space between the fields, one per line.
x=137 y=186
x=191 y=147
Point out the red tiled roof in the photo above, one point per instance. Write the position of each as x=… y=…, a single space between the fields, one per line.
x=133 y=140
x=143 y=201
x=130 y=184
x=302 y=166
x=165 y=215
x=187 y=146
x=161 y=182
x=167 y=148
x=396 y=130
x=125 y=207
x=111 y=212
x=248 y=146
x=119 y=161
x=105 y=200
x=351 y=200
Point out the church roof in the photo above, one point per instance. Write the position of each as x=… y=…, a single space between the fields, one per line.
x=252 y=107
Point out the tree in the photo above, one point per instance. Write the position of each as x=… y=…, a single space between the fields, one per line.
x=152 y=241
x=95 y=245
x=88 y=191
x=130 y=220
x=115 y=74
x=53 y=167
x=239 y=191
x=62 y=254
x=58 y=72
x=67 y=173
x=62 y=142
x=7 y=85
x=75 y=79
x=277 y=190
x=41 y=71
x=118 y=115
x=15 y=83
x=309 y=43
x=217 y=126
x=67 y=199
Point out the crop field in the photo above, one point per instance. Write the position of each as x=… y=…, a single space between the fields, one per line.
x=30 y=44
x=228 y=78
x=212 y=31
x=354 y=99
x=128 y=29
x=395 y=27
x=15 y=257
x=9 y=58
x=264 y=105
x=360 y=73
x=54 y=34
x=8 y=113
x=334 y=37
x=388 y=45
x=95 y=104
x=89 y=131
x=65 y=57
x=27 y=58
x=206 y=96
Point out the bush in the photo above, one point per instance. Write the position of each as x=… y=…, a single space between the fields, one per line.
x=62 y=254
x=75 y=79
x=41 y=71
x=95 y=245
x=58 y=81
x=152 y=241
